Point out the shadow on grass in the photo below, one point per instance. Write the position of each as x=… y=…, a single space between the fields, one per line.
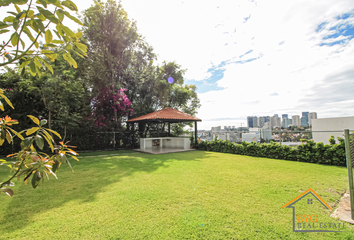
x=91 y=176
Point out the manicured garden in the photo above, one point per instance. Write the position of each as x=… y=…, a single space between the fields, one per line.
x=190 y=195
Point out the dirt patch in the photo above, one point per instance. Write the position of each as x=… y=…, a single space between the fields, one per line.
x=343 y=211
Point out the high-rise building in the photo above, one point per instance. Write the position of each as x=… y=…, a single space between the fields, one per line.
x=252 y=122
x=296 y=120
x=275 y=115
x=304 y=121
x=284 y=116
x=261 y=121
x=312 y=115
x=286 y=122
x=216 y=129
x=267 y=119
x=275 y=121
x=306 y=115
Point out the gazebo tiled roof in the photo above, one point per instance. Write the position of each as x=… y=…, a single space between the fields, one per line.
x=168 y=115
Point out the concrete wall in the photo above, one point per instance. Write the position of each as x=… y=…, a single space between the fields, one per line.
x=335 y=126
x=250 y=137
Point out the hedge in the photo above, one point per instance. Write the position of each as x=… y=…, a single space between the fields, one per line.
x=308 y=151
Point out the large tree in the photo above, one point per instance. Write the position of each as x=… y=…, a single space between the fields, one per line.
x=111 y=40
x=118 y=56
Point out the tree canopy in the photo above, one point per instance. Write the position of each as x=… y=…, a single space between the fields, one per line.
x=120 y=72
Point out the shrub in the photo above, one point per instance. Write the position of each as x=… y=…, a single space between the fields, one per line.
x=308 y=151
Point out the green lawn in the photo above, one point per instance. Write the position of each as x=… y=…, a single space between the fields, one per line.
x=188 y=195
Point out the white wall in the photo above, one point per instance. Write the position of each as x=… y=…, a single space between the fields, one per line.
x=249 y=137
x=337 y=125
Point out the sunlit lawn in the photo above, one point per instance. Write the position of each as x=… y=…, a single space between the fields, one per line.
x=188 y=195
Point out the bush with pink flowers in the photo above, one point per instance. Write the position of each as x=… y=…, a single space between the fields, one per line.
x=110 y=105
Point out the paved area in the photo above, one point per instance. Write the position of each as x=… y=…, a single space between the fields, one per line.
x=162 y=150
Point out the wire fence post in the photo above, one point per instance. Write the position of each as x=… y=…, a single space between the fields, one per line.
x=114 y=140
x=350 y=170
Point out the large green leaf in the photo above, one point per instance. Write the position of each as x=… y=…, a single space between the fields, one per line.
x=23 y=44
x=68 y=31
x=44 y=3
x=36 y=179
x=3 y=25
x=49 y=140
x=34 y=119
x=39 y=141
x=48 y=36
x=55 y=166
x=81 y=46
x=33 y=68
x=31 y=130
x=72 y=18
x=48 y=14
x=70 y=60
x=14 y=39
x=43 y=122
x=49 y=67
x=19 y=2
x=60 y=14
x=40 y=25
x=38 y=62
x=52 y=131
x=28 y=33
x=27 y=142
x=9 y=19
x=15 y=24
x=70 y=5
x=17 y=8
x=57 y=41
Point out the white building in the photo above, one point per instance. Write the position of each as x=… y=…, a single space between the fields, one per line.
x=216 y=129
x=267 y=125
x=275 y=121
x=266 y=134
x=312 y=115
x=331 y=126
x=296 y=120
x=223 y=136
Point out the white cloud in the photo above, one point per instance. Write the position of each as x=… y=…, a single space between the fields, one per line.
x=282 y=36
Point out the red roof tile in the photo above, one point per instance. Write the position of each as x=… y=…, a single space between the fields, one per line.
x=166 y=114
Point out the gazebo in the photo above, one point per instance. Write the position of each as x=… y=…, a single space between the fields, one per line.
x=167 y=115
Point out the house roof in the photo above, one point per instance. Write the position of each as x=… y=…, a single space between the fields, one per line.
x=166 y=115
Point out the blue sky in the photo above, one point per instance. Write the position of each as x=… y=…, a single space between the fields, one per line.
x=256 y=57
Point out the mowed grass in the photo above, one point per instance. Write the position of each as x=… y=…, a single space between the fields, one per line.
x=188 y=195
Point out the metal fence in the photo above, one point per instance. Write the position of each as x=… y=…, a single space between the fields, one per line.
x=292 y=137
x=285 y=137
x=103 y=140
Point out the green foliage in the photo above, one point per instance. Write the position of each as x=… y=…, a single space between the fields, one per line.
x=28 y=162
x=34 y=21
x=308 y=151
x=120 y=57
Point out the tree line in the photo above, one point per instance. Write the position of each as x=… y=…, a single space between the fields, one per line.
x=95 y=89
